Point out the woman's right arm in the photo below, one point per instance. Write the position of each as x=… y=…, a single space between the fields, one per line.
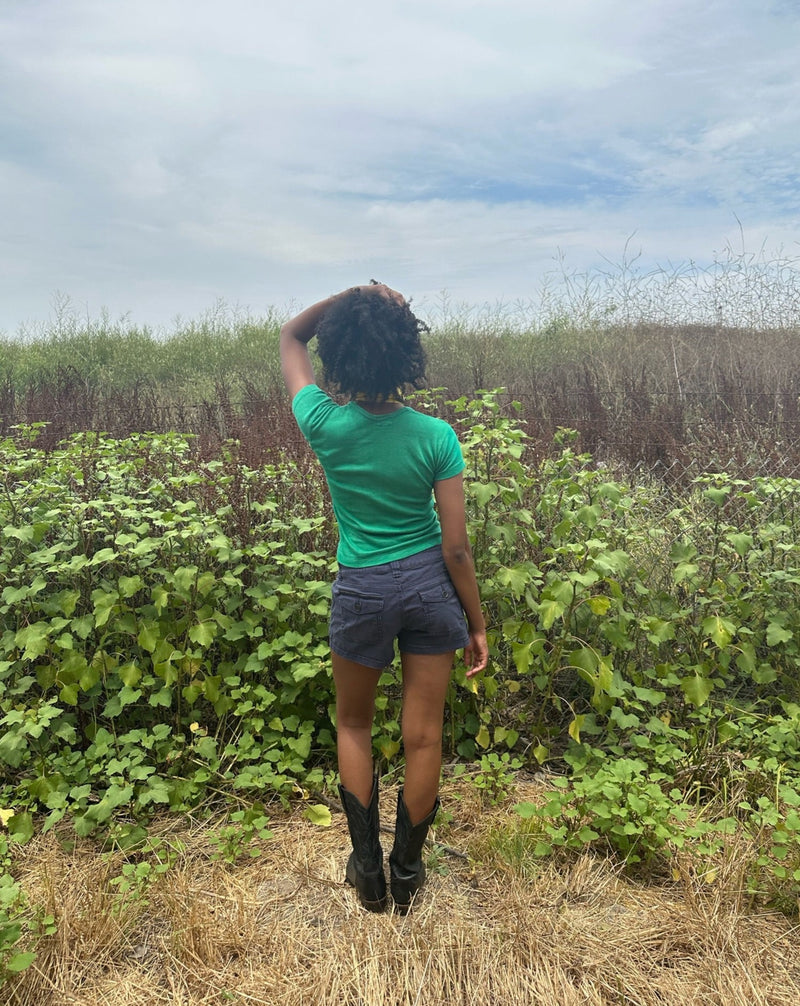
x=295 y=336
x=457 y=556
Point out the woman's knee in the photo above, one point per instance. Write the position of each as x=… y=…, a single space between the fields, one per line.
x=354 y=720
x=419 y=736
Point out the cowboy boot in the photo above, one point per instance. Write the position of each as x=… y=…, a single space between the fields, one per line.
x=365 y=865
x=405 y=860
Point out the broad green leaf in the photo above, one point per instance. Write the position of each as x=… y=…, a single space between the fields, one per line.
x=203 y=633
x=301 y=745
x=205 y=582
x=625 y=721
x=305 y=669
x=742 y=543
x=549 y=611
x=104 y=604
x=211 y=687
x=128 y=695
x=160 y=597
x=697 y=689
x=388 y=747
x=517 y=580
x=589 y=515
x=130 y=674
x=586 y=659
x=130 y=585
x=777 y=634
x=482 y=737
x=521 y=654
x=89 y=678
x=148 y=637
x=13 y=748
x=483 y=492
x=658 y=630
x=206 y=747
x=541 y=753
x=102 y=556
x=158 y=791
x=34 y=639
x=20 y=827
x=605 y=674
x=19 y=962
x=318 y=813
x=526 y=809
x=717 y=496
x=720 y=630
x=599 y=604
x=682 y=551
x=69 y=695
x=685 y=571
x=746 y=659
x=764 y=674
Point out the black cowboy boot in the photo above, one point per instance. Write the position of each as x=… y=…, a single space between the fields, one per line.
x=405 y=860
x=365 y=865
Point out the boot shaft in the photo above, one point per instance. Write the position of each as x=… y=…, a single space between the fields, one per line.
x=409 y=838
x=365 y=865
x=363 y=823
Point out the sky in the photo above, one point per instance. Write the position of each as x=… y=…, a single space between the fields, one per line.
x=161 y=157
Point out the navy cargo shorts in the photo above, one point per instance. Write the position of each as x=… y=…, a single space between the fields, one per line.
x=412 y=600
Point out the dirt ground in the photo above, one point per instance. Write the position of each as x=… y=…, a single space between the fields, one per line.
x=491 y=926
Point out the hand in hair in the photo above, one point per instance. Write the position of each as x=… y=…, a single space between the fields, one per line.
x=381 y=289
x=402 y=326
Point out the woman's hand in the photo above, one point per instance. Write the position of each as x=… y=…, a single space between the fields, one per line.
x=476 y=653
x=381 y=289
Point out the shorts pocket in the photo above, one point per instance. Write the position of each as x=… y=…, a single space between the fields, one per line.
x=442 y=608
x=356 y=618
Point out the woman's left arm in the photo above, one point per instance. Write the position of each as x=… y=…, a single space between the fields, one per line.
x=457 y=556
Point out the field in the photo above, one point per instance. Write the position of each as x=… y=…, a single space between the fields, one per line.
x=282 y=929
x=625 y=782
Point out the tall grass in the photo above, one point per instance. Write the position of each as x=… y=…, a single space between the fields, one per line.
x=661 y=367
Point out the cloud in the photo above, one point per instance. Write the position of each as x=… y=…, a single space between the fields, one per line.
x=159 y=155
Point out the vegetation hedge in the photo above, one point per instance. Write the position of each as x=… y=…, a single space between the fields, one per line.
x=163 y=644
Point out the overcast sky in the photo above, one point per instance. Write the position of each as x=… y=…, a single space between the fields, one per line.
x=160 y=155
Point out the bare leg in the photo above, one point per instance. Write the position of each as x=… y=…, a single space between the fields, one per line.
x=355 y=711
x=425 y=681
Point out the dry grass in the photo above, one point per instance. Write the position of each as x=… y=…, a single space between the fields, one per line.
x=284 y=929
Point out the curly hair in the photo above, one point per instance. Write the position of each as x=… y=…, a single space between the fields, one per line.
x=370 y=344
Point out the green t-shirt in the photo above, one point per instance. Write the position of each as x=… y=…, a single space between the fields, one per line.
x=380 y=471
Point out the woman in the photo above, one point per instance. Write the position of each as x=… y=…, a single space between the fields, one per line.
x=404 y=572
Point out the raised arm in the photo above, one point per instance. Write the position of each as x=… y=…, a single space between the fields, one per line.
x=457 y=556
x=295 y=337
x=297 y=333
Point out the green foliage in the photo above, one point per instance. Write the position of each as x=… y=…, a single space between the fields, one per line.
x=224 y=346
x=493 y=775
x=162 y=629
x=163 y=641
x=20 y=923
x=238 y=838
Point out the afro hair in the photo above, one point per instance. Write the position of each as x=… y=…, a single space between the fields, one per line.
x=370 y=344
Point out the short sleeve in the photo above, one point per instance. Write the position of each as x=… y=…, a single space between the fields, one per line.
x=311 y=407
x=451 y=460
